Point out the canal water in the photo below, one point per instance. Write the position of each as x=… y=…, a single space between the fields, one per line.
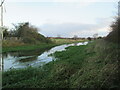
x=32 y=58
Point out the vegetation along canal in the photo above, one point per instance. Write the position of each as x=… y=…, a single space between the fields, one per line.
x=32 y=58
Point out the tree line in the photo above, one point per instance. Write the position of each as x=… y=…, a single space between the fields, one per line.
x=27 y=33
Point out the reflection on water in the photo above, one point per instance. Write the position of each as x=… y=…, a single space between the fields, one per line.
x=32 y=58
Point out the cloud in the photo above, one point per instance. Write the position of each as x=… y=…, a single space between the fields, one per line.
x=62 y=0
x=103 y=31
x=82 y=30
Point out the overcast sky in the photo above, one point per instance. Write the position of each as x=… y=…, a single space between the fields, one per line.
x=63 y=17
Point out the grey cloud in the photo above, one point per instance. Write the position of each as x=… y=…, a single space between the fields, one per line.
x=69 y=29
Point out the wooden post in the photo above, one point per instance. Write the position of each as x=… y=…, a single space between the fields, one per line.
x=1 y=15
x=1 y=5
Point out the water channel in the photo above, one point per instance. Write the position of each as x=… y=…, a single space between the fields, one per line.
x=32 y=58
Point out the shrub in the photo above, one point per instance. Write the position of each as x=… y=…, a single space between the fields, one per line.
x=113 y=36
x=28 y=33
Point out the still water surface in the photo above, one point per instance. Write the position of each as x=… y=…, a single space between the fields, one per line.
x=32 y=58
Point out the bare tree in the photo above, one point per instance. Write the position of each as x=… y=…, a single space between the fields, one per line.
x=89 y=38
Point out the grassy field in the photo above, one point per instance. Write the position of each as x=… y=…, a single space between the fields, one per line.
x=64 y=41
x=90 y=66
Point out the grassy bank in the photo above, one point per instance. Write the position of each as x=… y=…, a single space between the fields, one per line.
x=19 y=46
x=42 y=46
x=90 y=66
